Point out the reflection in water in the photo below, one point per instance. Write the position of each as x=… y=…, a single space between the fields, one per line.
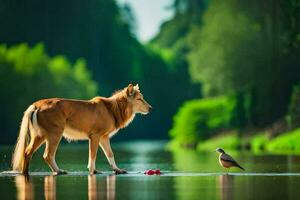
x=50 y=187
x=226 y=186
x=92 y=187
x=93 y=191
x=24 y=187
x=159 y=187
x=111 y=187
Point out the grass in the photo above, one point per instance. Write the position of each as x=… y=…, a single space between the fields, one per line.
x=258 y=142
x=286 y=143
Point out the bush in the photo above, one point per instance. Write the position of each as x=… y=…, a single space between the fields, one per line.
x=28 y=74
x=259 y=141
x=287 y=142
x=199 y=119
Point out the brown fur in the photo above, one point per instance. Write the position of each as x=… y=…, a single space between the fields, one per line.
x=95 y=120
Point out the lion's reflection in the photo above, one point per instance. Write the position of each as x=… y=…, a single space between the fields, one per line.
x=96 y=191
x=25 y=187
x=50 y=187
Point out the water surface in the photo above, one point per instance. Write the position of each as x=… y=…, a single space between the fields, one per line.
x=186 y=175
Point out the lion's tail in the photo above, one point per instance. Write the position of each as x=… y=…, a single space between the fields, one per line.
x=19 y=152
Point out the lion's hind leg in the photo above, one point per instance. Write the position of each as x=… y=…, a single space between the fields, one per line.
x=34 y=144
x=93 y=148
x=50 y=151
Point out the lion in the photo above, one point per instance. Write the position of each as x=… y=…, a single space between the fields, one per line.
x=96 y=120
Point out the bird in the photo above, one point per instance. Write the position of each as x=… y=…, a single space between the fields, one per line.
x=226 y=160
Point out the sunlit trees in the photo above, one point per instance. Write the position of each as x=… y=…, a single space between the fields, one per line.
x=247 y=48
x=199 y=119
x=243 y=47
x=224 y=50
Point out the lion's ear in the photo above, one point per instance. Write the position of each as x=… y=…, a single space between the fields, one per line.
x=130 y=90
x=136 y=87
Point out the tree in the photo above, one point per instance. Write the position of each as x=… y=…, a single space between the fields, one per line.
x=235 y=50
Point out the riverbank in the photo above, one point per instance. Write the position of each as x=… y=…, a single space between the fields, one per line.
x=285 y=143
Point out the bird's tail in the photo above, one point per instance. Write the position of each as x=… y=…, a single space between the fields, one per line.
x=239 y=166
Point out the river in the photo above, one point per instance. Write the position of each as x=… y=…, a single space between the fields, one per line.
x=186 y=174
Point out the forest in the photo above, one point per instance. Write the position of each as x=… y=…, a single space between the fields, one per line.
x=76 y=49
x=245 y=56
x=218 y=72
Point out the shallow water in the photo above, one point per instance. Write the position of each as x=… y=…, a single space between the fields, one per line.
x=186 y=175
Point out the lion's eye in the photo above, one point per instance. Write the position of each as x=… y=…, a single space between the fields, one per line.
x=139 y=99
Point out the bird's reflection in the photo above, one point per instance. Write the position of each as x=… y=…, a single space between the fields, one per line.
x=226 y=187
x=100 y=190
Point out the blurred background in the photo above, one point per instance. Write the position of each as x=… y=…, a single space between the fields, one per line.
x=209 y=68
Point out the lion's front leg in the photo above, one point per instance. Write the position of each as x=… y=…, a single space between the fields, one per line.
x=105 y=145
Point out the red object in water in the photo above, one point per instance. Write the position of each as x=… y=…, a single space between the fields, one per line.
x=152 y=172
x=157 y=172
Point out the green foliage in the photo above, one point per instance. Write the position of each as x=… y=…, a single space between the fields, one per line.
x=237 y=47
x=228 y=140
x=243 y=51
x=243 y=47
x=95 y=30
x=173 y=32
x=165 y=85
x=288 y=142
x=223 y=53
x=168 y=55
x=102 y=33
x=28 y=74
x=258 y=142
x=198 y=119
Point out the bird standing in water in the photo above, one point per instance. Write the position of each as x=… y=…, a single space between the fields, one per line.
x=226 y=160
